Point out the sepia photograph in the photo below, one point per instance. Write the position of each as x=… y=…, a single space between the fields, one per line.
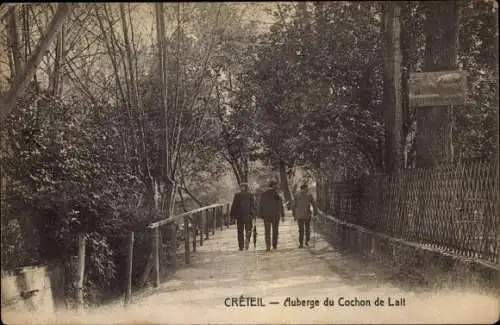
x=323 y=162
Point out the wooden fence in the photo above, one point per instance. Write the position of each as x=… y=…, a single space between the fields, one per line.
x=171 y=235
x=158 y=249
x=453 y=208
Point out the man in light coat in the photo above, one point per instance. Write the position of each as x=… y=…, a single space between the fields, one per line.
x=302 y=213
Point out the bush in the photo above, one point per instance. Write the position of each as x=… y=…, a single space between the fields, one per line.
x=66 y=175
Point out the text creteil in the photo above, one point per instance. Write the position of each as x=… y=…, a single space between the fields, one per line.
x=244 y=301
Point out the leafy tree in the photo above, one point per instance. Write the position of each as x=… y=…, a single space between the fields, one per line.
x=317 y=79
x=91 y=161
x=66 y=178
x=475 y=124
x=317 y=76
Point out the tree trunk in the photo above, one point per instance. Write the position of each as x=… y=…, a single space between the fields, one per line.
x=181 y=197
x=434 y=124
x=239 y=165
x=236 y=171
x=128 y=50
x=13 y=41
x=8 y=100
x=136 y=112
x=160 y=35
x=130 y=104
x=284 y=181
x=407 y=112
x=392 y=86
x=497 y=143
x=57 y=73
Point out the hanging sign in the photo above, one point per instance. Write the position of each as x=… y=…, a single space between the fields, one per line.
x=440 y=88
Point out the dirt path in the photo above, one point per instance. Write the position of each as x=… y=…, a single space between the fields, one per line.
x=219 y=272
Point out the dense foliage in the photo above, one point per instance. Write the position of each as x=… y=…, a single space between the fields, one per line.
x=90 y=159
x=318 y=80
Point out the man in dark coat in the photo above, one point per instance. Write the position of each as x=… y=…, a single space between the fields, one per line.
x=302 y=213
x=243 y=210
x=271 y=210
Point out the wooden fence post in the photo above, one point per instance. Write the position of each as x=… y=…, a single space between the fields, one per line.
x=194 y=221
x=156 y=255
x=206 y=224
x=214 y=220
x=80 y=271
x=221 y=217
x=202 y=226
x=173 y=230
x=227 y=216
x=128 y=292
x=186 y=240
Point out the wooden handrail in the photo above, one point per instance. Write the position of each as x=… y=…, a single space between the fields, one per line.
x=182 y=215
x=153 y=263
x=185 y=218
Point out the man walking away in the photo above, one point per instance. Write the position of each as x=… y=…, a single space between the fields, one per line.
x=243 y=210
x=271 y=210
x=302 y=213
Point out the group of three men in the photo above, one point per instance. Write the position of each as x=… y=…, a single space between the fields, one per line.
x=243 y=209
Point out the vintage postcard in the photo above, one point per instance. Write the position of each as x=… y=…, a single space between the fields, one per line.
x=328 y=162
